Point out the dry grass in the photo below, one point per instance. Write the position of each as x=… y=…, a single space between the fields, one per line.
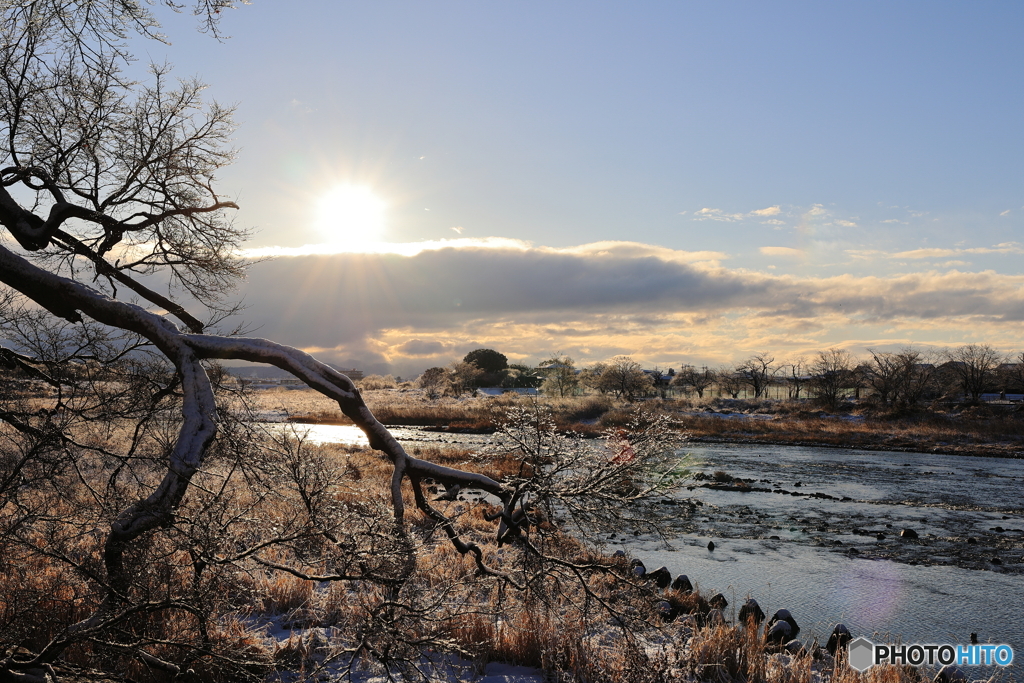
x=977 y=430
x=556 y=625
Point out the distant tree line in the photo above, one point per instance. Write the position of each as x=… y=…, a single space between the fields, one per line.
x=892 y=379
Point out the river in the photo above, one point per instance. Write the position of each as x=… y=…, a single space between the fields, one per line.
x=938 y=587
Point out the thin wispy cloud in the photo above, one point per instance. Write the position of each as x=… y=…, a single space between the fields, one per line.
x=781 y=251
x=707 y=214
x=1003 y=248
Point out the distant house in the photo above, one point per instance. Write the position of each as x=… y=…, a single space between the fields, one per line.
x=353 y=374
x=658 y=378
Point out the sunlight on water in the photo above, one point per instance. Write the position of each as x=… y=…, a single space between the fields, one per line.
x=317 y=434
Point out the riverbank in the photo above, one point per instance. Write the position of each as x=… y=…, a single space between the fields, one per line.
x=949 y=430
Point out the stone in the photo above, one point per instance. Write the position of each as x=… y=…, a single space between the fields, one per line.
x=908 y=533
x=783 y=615
x=838 y=640
x=718 y=601
x=715 y=618
x=780 y=632
x=661 y=577
x=682 y=583
x=751 y=611
x=795 y=647
x=972 y=540
x=666 y=610
x=637 y=567
x=711 y=545
x=950 y=674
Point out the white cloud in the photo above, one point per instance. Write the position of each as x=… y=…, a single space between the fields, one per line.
x=770 y=211
x=781 y=251
x=845 y=224
x=458 y=229
x=300 y=106
x=1002 y=248
x=716 y=215
x=924 y=253
x=1005 y=213
x=773 y=221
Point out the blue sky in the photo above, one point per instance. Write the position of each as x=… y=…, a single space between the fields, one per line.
x=775 y=144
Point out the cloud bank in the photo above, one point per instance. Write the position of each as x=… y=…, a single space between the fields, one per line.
x=405 y=311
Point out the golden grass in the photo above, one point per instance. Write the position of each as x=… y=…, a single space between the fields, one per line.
x=974 y=430
x=554 y=625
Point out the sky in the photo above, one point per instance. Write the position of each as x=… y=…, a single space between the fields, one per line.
x=682 y=182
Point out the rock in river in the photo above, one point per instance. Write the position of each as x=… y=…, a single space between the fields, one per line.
x=751 y=610
x=783 y=615
x=682 y=583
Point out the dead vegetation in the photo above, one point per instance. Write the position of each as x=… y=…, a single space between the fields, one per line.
x=285 y=558
x=977 y=430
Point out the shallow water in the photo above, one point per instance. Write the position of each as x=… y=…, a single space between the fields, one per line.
x=936 y=588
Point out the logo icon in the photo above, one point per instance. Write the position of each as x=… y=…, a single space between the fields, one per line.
x=860 y=654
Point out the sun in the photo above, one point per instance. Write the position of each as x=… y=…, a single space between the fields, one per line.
x=350 y=216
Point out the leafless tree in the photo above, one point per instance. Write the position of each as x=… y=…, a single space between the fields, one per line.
x=462 y=377
x=831 y=374
x=796 y=376
x=729 y=380
x=698 y=380
x=104 y=181
x=973 y=366
x=758 y=371
x=901 y=378
x=433 y=381
x=625 y=377
x=590 y=377
x=560 y=376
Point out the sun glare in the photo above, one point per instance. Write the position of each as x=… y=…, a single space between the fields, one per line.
x=351 y=217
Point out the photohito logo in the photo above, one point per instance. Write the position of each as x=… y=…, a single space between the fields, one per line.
x=863 y=654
